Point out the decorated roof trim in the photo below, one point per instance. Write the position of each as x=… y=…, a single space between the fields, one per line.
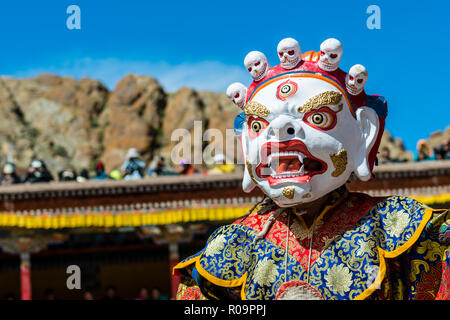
x=108 y=219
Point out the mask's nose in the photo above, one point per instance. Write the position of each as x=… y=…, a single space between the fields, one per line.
x=284 y=128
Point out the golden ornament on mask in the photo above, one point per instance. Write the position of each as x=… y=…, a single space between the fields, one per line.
x=254 y=108
x=339 y=162
x=322 y=99
x=250 y=171
x=288 y=192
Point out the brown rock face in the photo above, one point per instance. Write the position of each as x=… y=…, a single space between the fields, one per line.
x=195 y=127
x=52 y=118
x=132 y=119
x=71 y=123
x=221 y=113
x=183 y=124
x=439 y=137
x=395 y=146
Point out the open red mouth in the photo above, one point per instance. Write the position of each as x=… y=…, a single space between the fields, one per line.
x=288 y=161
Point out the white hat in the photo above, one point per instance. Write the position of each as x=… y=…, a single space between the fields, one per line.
x=8 y=168
x=132 y=153
x=36 y=164
x=219 y=157
x=68 y=174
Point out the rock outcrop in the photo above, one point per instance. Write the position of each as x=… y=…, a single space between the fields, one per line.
x=395 y=146
x=71 y=123
x=439 y=137
x=132 y=118
x=52 y=118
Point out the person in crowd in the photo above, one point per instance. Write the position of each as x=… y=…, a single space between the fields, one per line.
x=157 y=295
x=9 y=175
x=111 y=293
x=83 y=176
x=158 y=167
x=68 y=174
x=221 y=165
x=443 y=151
x=49 y=294
x=10 y=296
x=115 y=175
x=38 y=172
x=133 y=167
x=100 y=173
x=385 y=156
x=143 y=294
x=424 y=151
x=87 y=295
x=186 y=168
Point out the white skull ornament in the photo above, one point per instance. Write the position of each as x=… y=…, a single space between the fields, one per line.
x=356 y=79
x=256 y=64
x=330 y=54
x=237 y=93
x=289 y=53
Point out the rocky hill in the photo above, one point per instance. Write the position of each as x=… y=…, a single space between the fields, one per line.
x=67 y=122
x=74 y=123
x=396 y=147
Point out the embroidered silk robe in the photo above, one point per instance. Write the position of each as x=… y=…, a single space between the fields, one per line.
x=362 y=248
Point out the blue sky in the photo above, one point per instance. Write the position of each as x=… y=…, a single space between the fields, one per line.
x=202 y=44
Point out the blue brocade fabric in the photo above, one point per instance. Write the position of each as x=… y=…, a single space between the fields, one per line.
x=395 y=251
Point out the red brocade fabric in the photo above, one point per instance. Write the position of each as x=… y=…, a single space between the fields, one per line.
x=334 y=223
x=444 y=285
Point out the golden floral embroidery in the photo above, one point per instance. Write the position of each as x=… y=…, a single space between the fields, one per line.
x=396 y=222
x=433 y=249
x=266 y=272
x=327 y=240
x=216 y=245
x=416 y=268
x=298 y=230
x=368 y=246
x=339 y=279
x=243 y=255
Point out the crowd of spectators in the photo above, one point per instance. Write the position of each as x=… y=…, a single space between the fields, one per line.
x=133 y=168
x=36 y=172
x=111 y=293
x=424 y=153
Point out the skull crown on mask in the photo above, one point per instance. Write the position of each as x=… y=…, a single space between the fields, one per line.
x=303 y=136
x=356 y=79
x=289 y=53
x=237 y=93
x=330 y=54
x=257 y=65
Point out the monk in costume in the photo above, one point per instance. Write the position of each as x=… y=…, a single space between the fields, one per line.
x=306 y=127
